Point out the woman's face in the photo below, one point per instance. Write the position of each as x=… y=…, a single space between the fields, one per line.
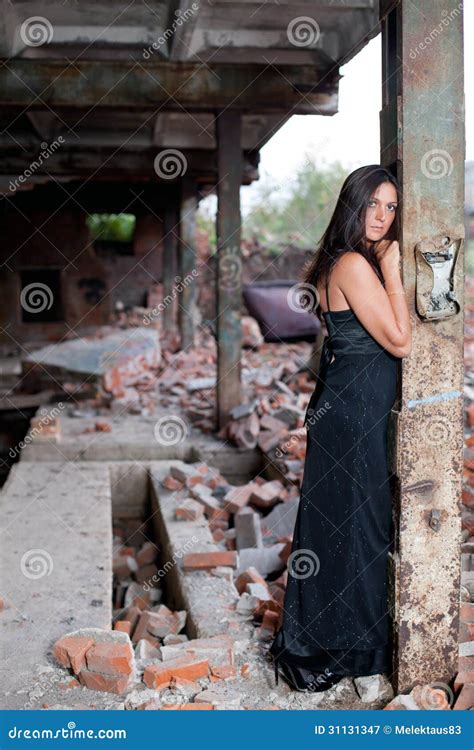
x=381 y=211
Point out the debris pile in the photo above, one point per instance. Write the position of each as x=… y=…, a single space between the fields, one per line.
x=101 y=660
x=116 y=364
x=275 y=392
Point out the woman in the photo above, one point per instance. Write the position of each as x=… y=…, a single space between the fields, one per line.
x=335 y=612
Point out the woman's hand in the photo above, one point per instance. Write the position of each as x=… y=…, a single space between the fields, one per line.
x=388 y=256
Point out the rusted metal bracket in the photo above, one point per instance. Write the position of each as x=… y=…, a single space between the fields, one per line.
x=435 y=261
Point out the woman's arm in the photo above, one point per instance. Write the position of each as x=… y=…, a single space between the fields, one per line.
x=382 y=311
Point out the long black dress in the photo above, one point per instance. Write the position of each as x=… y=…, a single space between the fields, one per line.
x=335 y=611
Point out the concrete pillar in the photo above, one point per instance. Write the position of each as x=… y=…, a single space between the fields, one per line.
x=188 y=313
x=422 y=140
x=229 y=262
x=170 y=268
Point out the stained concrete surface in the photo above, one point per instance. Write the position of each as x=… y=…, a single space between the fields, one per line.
x=55 y=566
x=139 y=438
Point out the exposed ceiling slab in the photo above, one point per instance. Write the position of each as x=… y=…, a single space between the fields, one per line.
x=107 y=77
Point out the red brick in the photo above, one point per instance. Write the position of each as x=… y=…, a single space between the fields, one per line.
x=239 y=496
x=218 y=523
x=147 y=554
x=189 y=510
x=125 y=626
x=267 y=494
x=110 y=658
x=130 y=551
x=465 y=699
x=468 y=496
x=463 y=678
x=154 y=625
x=165 y=621
x=73 y=683
x=141 y=629
x=187 y=707
x=131 y=615
x=207 y=560
x=105 y=682
x=70 y=651
x=467 y=523
x=270 y=623
x=217 y=649
x=124 y=565
x=141 y=601
x=223 y=672
x=171 y=484
x=251 y=575
x=466 y=664
x=466 y=613
x=160 y=675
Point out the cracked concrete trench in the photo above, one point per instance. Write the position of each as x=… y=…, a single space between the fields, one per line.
x=60 y=523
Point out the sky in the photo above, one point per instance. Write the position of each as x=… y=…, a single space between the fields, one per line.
x=352 y=135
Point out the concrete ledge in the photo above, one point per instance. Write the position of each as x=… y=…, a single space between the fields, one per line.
x=194 y=591
x=132 y=438
x=55 y=564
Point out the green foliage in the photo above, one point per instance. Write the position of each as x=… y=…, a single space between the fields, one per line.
x=296 y=213
x=112 y=227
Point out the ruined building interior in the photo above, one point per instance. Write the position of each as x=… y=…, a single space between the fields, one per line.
x=147 y=507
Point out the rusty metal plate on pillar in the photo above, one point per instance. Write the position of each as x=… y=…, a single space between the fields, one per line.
x=435 y=263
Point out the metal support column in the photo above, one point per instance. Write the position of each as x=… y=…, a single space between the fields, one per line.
x=229 y=263
x=170 y=268
x=422 y=141
x=188 y=313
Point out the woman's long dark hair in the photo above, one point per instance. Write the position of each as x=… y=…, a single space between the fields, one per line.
x=346 y=229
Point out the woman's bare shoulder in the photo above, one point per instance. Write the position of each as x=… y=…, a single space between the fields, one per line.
x=353 y=262
x=352 y=268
